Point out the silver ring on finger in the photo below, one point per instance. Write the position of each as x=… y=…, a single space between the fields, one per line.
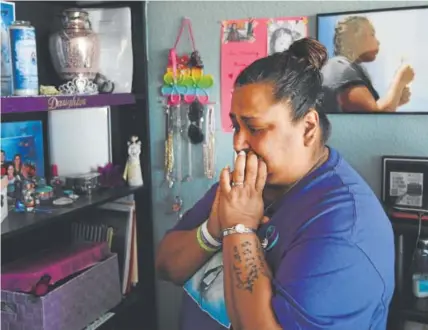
x=237 y=184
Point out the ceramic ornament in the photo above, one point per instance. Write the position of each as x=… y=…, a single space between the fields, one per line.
x=133 y=174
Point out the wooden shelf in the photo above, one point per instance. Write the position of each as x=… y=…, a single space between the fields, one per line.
x=17 y=104
x=409 y=226
x=17 y=223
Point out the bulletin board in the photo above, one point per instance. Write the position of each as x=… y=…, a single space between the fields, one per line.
x=245 y=40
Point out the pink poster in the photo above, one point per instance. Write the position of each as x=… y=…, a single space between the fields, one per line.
x=244 y=41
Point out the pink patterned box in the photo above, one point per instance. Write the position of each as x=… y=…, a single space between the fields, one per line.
x=23 y=274
x=71 y=306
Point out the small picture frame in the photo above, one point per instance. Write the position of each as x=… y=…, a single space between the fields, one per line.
x=405 y=183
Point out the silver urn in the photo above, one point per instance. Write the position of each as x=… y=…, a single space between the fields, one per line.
x=75 y=49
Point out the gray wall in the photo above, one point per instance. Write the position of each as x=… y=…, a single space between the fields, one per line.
x=362 y=139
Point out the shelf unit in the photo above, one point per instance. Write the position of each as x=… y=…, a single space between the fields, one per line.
x=22 y=233
x=18 y=223
x=416 y=310
x=406 y=307
x=16 y=104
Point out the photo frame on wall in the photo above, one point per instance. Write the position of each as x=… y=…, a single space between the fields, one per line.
x=369 y=53
x=405 y=183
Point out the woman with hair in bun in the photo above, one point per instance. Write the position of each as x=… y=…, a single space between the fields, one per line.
x=291 y=237
x=347 y=84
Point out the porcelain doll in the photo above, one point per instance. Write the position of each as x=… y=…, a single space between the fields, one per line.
x=133 y=174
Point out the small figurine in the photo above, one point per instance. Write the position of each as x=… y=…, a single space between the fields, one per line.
x=55 y=181
x=4 y=205
x=132 y=173
x=17 y=190
x=195 y=60
x=30 y=199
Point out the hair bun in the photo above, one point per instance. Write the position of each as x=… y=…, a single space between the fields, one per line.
x=311 y=50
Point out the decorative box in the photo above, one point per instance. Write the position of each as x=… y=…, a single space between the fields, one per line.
x=83 y=184
x=70 y=306
x=23 y=274
x=45 y=193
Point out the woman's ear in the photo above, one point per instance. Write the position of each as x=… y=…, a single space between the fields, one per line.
x=311 y=124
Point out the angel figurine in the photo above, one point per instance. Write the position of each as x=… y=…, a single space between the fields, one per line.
x=132 y=173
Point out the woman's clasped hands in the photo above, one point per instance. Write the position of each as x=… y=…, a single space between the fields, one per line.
x=240 y=195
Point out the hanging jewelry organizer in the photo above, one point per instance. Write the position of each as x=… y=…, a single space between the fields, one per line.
x=185 y=89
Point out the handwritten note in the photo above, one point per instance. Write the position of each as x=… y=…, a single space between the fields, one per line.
x=243 y=42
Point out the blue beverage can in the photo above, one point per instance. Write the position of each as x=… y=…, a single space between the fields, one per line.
x=25 y=78
x=6 y=19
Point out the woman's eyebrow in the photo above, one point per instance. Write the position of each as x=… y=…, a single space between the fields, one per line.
x=243 y=118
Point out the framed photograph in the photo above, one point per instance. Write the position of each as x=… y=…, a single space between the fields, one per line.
x=373 y=54
x=405 y=183
x=24 y=145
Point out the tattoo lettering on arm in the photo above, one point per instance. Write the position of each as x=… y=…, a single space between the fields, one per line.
x=236 y=254
x=248 y=264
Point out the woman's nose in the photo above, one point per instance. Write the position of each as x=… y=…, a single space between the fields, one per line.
x=240 y=141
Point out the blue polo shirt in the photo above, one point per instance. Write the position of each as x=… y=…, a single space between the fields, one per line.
x=330 y=249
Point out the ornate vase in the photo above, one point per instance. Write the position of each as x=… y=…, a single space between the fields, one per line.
x=75 y=50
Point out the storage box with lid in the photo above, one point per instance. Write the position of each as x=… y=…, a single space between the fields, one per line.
x=70 y=306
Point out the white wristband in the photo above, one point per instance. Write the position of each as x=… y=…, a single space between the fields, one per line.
x=211 y=240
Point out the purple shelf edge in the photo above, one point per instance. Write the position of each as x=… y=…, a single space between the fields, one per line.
x=13 y=104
